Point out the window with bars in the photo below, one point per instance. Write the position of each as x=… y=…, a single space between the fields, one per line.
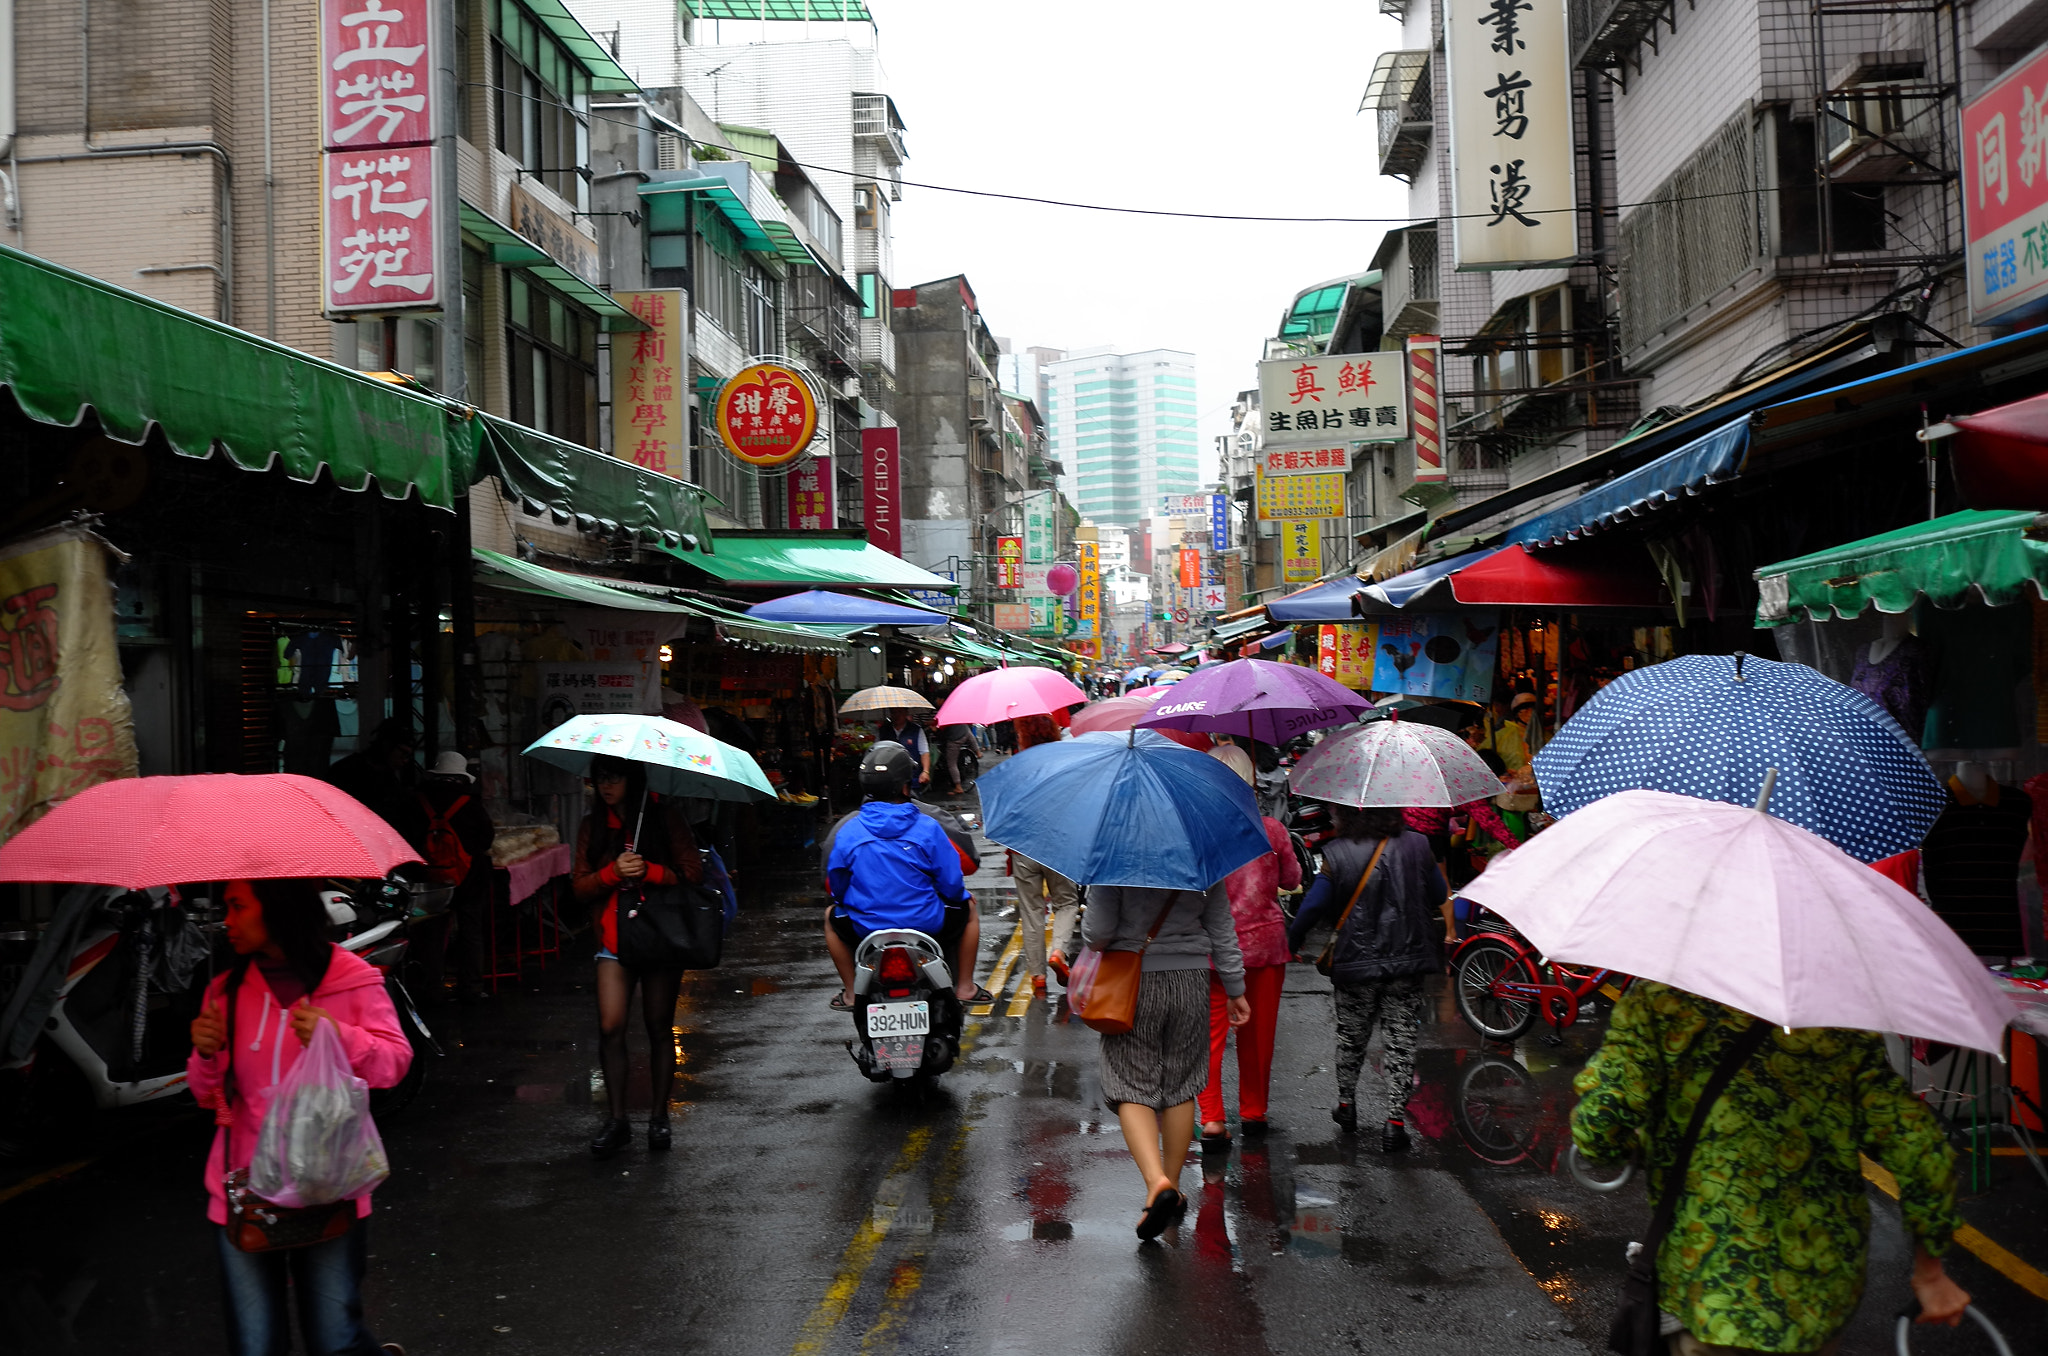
x=543 y=101
x=551 y=345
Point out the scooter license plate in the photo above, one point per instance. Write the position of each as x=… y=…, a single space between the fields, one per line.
x=899 y=1019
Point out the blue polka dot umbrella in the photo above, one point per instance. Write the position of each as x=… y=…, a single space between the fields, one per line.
x=1711 y=726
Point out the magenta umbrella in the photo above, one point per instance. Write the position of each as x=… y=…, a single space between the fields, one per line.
x=1269 y=702
x=1005 y=694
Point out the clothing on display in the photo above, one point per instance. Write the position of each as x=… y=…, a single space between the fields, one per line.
x=1902 y=682
x=1970 y=862
x=313 y=655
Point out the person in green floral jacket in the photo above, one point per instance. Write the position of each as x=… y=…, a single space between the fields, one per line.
x=1767 y=1247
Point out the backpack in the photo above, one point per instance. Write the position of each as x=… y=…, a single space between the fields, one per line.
x=447 y=859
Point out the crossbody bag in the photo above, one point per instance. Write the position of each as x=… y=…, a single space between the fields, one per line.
x=1327 y=961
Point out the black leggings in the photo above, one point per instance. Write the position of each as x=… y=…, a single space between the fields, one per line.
x=658 y=990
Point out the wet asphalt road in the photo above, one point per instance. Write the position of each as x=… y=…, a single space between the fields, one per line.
x=806 y=1211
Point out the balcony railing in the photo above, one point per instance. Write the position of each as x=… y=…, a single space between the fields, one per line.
x=1408 y=284
x=1400 y=96
x=1606 y=33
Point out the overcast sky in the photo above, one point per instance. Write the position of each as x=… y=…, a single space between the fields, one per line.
x=1191 y=106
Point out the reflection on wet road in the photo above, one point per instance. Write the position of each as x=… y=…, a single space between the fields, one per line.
x=804 y=1210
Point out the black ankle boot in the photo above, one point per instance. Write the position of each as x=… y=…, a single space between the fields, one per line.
x=616 y=1135
x=1346 y=1116
x=658 y=1136
x=1393 y=1138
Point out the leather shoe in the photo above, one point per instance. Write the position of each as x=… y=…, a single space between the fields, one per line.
x=658 y=1136
x=1346 y=1116
x=1393 y=1138
x=615 y=1136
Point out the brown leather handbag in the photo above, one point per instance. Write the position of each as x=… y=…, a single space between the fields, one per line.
x=1327 y=962
x=257 y=1225
x=1113 y=999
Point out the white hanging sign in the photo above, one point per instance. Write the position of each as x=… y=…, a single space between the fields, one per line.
x=1512 y=169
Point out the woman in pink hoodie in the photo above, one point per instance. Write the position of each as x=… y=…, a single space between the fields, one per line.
x=278 y=929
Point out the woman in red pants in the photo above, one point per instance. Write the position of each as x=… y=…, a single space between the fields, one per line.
x=1254 y=890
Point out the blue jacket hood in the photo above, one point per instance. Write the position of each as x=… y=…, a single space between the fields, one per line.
x=889 y=819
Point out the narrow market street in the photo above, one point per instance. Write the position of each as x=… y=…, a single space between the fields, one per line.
x=806 y=1211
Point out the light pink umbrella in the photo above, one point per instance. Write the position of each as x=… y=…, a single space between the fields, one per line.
x=1747 y=909
x=1393 y=762
x=1124 y=713
x=1005 y=694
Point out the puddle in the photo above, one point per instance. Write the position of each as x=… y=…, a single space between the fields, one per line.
x=764 y=985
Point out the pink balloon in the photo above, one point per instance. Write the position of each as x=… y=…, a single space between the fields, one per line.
x=1062 y=579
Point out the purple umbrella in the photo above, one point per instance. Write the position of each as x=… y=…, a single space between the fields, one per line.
x=1269 y=702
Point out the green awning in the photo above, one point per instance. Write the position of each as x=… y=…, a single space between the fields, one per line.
x=69 y=342
x=597 y=491
x=824 y=11
x=596 y=57
x=814 y=558
x=519 y=576
x=514 y=250
x=720 y=192
x=1996 y=553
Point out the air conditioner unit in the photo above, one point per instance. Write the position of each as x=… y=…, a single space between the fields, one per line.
x=849 y=389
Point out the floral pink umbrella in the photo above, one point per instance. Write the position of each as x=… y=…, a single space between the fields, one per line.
x=1006 y=694
x=1394 y=763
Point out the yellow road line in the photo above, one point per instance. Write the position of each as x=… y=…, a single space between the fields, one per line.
x=2000 y=1259
x=853 y=1264
x=907 y=1276
x=1000 y=976
x=28 y=1184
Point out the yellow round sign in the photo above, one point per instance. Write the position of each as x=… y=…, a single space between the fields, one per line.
x=766 y=415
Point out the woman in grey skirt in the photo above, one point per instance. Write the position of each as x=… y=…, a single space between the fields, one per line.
x=1152 y=1074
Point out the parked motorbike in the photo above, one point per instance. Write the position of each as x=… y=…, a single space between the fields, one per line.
x=906 y=1017
x=375 y=921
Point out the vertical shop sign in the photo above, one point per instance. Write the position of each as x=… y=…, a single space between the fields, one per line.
x=1301 y=551
x=1038 y=535
x=2005 y=191
x=1089 y=594
x=1009 y=562
x=1317 y=402
x=65 y=723
x=810 y=495
x=650 y=412
x=1190 y=567
x=378 y=223
x=1424 y=354
x=1512 y=188
x=1219 y=523
x=1344 y=654
x=879 y=452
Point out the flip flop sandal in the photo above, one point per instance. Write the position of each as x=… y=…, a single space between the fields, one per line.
x=839 y=1003
x=1167 y=1207
x=982 y=995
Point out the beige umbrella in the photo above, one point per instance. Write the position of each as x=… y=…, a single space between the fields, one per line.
x=875 y=700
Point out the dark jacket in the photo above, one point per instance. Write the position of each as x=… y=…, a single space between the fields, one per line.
x=1397 y=927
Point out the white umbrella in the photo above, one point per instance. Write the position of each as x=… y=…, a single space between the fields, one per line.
x=1393 y=763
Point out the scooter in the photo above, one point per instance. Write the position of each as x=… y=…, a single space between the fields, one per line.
x=374 y=921
x=906 y=1017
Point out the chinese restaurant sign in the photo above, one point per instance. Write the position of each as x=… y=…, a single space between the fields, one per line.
x=879 y=455
x=1009 y=562
x=1344 y=654
x=650 y=404
x=1301 y=551
x=1512 y=188
x=1089 y=593
x=377 y=159
x=810 y=497
x=766 y=416
x=2005 y=191
x=1283 y=497
x=64 y=718
x=1315 y=402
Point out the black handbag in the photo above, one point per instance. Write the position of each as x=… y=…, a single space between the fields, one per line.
x=679 y=926
x=1637 y=1327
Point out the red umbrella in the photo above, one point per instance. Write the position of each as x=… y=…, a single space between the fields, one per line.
x=1124 y=713
x=146 y=831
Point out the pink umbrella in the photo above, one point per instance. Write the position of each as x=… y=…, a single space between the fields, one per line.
x=1005 y=694
x=146 y=831
x=1747 y=909
x=1124 y=713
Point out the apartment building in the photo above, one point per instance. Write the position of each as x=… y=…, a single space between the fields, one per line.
x=1123 y=427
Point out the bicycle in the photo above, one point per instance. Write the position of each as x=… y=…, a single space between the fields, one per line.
x=1503 y=985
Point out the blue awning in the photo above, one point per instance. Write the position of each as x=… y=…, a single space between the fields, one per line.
x=1326 y=602
x=1276 y=640
x=1403 y=589
x=1706 y=460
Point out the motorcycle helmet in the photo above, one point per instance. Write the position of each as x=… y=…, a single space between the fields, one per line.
x=887 y=768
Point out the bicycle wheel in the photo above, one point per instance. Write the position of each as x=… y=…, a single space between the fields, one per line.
x=1492 y=1016
x=1497 y=1107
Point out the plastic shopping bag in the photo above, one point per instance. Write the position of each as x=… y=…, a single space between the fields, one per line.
x=1081 y=979
x=318 y=1143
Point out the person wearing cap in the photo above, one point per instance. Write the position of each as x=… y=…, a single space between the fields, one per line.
x=1511 y=740
x=458 y=850
x=898 y=727
x=892 y=866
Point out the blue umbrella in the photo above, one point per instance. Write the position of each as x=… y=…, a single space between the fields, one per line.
x=818 y=607
x=1710 y=726
x=1117 y=808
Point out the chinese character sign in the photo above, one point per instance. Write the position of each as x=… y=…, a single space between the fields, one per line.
x=1013 y=616
x=377 y=236
x=766 y=416
x=810 y=496
x=1038 y=534
x=1184 y=505
x=1009 y=562
x=1317 y=402
x=1301 y=551
x=1284 y=497
x=1219 y=523
x=650 y=397
x=1344 y=654
x=1437 y=655
x=1089 y=594
x=376 y=74
x=880 y=451
x=2005 y=191
x=1190 y=567
x=1301 y=461
x=1512 y=187
x=1424 y=354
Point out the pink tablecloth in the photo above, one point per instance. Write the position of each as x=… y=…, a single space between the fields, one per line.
x=528 y=874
